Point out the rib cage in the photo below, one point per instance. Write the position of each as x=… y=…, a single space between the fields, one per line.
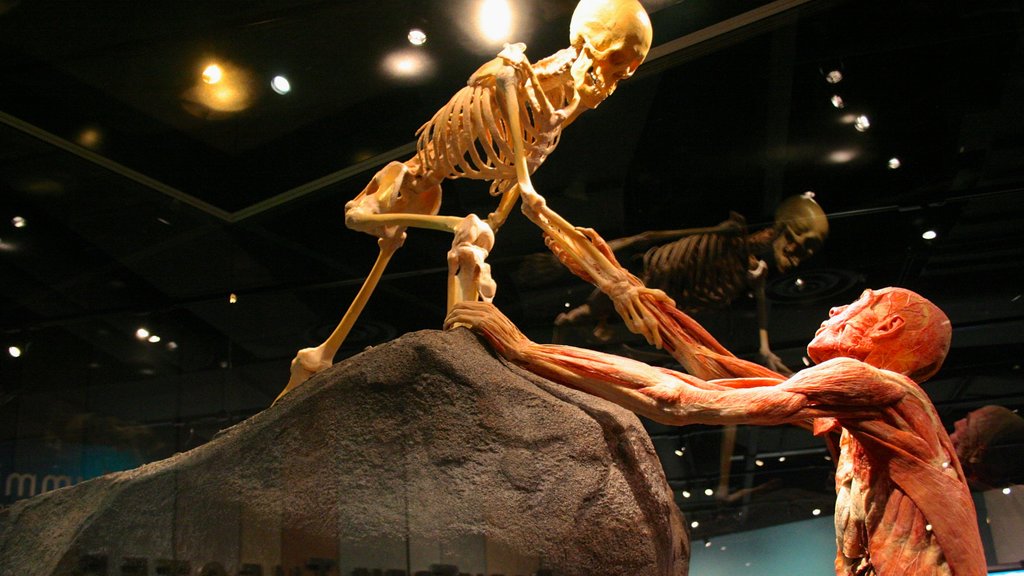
x=469 y=138
x=703 y=271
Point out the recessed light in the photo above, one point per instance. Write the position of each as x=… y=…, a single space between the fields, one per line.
x=417 y=37
x=14 y=351
x=281 y=85
x=930 y=235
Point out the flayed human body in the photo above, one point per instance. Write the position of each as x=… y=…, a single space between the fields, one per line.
x=902 y=507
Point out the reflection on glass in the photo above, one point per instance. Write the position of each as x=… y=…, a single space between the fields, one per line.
x=406 y=64
x=223 y=87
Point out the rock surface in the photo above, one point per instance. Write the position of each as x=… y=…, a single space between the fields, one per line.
x=424 y=455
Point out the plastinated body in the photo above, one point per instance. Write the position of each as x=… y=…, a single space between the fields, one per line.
x=903 y=506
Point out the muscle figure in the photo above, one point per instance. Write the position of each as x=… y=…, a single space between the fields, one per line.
x=902 y=507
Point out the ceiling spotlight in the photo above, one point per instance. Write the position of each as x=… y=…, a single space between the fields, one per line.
x=799 y=283
x=816 y=512
x=281 y=85
x=232 y=298
x=494 y=20
x=862 y=123
x=782 y=458
x=759 y=462
x=142 y=334
x=894 y=163
x=213 y=74
x=153 y=339
x=709 y=492
x=694 y=524
x=417 y=37
x=837 y=101
x=172 y=345
x=686 y=494
x=1007 y=491
x=19 y=222
x=834 y=77
x=14 y=351
x=680 y=452
x=930 y=235
x=707 y=544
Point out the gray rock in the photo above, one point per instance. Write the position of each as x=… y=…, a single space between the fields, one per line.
x=420 y=455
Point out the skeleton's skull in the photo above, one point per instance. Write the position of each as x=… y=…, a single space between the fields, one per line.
x=613 y=37
x=802 y=227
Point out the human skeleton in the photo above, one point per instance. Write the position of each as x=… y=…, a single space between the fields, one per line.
x=500 y=128
x=709 y=268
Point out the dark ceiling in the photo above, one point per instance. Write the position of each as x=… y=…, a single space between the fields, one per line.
x=144 y=207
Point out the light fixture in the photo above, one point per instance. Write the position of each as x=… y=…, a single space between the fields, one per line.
x=816 y=512
x=153 y=338
x=494 y=20
x=894 y=163
x=686 y=494
x=213 y=74
x=14 y=351
x=19 y=222
x=281 y=85
x=417 y=37
x=837 y=101
x=680 y=451
x=799 y=283
x=707 y=543
x=694 y=524
x=142 y=334
x=834 y=77
x=759 y=462
x=709 y=492
x=930 y=235
x=1007 y=491
x=782 y=458
x=862 y=123
x=172 y=345
x=232 y=298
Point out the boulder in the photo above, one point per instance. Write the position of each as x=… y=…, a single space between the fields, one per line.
x=425 y=455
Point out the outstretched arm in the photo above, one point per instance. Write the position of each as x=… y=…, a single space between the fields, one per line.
x=679 y=334
x=671 y=397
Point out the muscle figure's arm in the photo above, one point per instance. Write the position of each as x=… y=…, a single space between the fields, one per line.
x=675 y=398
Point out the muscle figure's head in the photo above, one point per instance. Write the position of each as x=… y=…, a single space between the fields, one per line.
x=892 y=328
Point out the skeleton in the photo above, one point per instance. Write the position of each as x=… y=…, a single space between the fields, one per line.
x=709 y=268
x=500 y=128
x=902 y=507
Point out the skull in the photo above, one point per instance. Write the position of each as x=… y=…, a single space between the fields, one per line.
x=613 y=37
x=802 y=228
